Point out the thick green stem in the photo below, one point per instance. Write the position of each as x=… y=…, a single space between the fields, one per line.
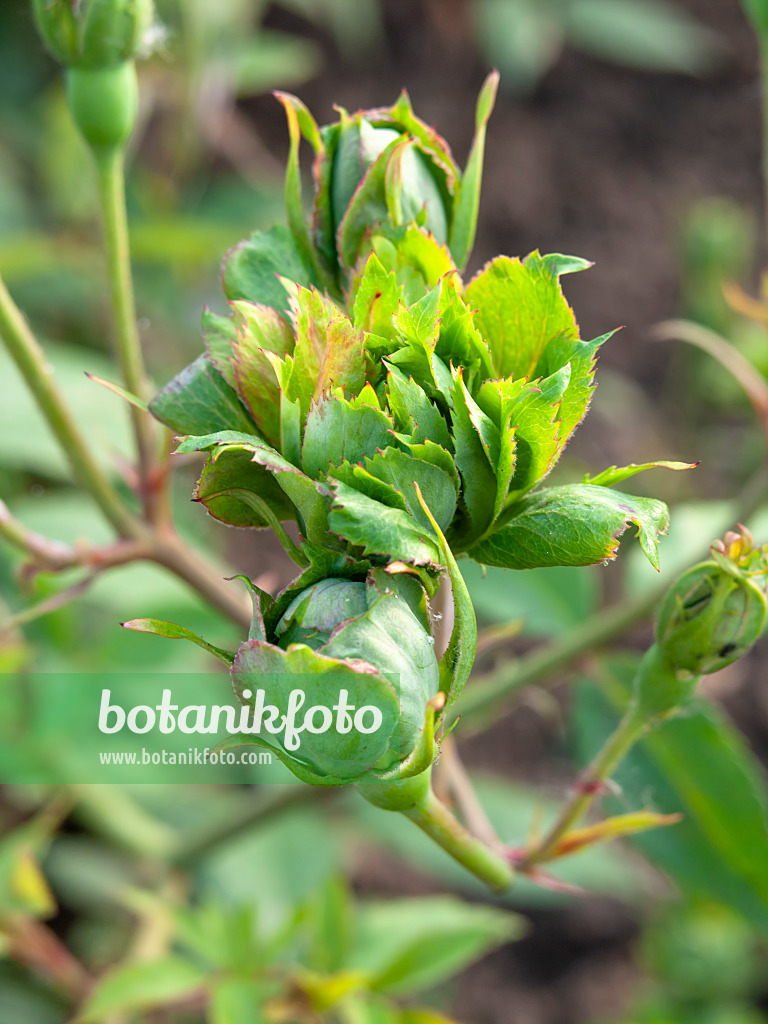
x=434 y=818
x=30 y=359
x=590 y=783
x=109 y=164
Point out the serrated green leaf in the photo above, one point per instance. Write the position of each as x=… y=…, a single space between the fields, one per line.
x=343 y=364
x=259 y=330
x=420 y=322
x=573 y=525
x=380 y=530
x=411 y=945
x=311 y=313
x=310 y=498
x=375 y=296
x=252 y=269
x=338 y=431
x=417 y=259
x=414 y=413
x=171 y=631
x=473 y=462
x=696 y=764
x=580 y=356
x=460 y=343
x=520 y=310
x=534 y=416
x=199 y=401
x=616 y=474
x=141 y=986
x=401 y=471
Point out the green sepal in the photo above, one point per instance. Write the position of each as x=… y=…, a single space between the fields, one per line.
x=459 y=657
x=618 y=474
x=341 y=756
x=262 y=603
x=467 y=204
x=310 y=497
x=171 y=631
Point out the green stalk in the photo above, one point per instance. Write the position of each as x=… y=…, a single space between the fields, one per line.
x=434 y=818
x=111 y=177
x=30 y=359
x=617 y=746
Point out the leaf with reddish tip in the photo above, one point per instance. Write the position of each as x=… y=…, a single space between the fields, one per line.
x=171 y=631
x=611 y=828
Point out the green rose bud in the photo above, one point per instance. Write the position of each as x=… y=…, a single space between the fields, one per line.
x=716 y=610
x=347 y=646
x=94 y=33
x=378 y=171
x=97 y=41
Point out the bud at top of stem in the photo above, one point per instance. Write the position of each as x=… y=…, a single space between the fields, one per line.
x=94 y=34
x=716 y=610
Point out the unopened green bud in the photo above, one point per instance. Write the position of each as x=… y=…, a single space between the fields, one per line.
x=417 y=194
x=94 y=33
x=369 y=639
x=104 y=103
x=716 y=610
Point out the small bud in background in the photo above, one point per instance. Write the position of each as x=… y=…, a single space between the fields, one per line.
x=716 y=610
x=94 y=34
x=97 y=41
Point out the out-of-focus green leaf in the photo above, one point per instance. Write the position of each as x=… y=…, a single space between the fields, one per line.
x=101 y=416
x=141 y=986
x=699 y=765
x=546 y=601
x=269 y=60
x=410 y=945
x=649 y=34
x=521 y=39
x=576 y=524
x=236 y=1000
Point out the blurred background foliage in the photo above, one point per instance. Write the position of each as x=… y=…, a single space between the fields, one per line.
x=628 y=133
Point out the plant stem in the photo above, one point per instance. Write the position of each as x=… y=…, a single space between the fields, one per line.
x=30 y=359
x=110 y=168
x=434 y=818
x=34 y=944
x=590 y=783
